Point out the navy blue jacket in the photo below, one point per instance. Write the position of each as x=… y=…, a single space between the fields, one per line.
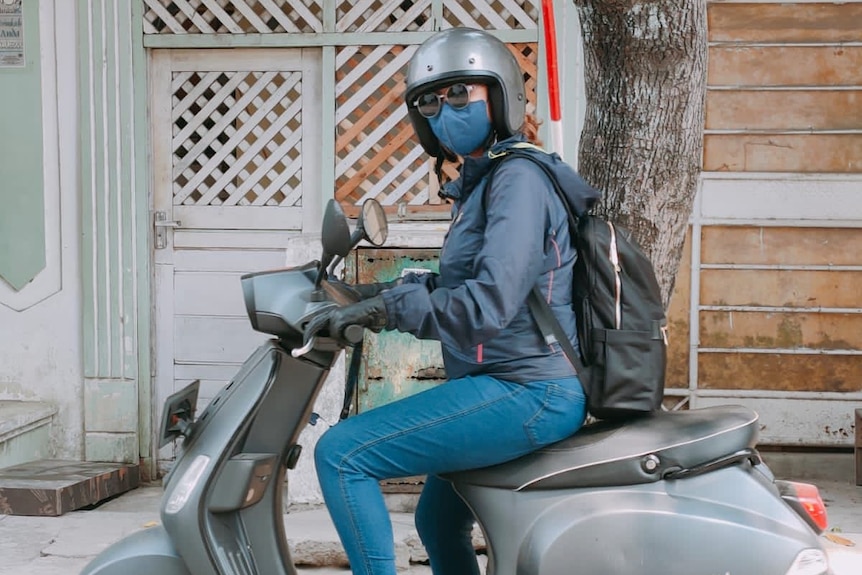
x=499 y=245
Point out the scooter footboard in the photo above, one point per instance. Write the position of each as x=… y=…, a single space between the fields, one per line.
x=143 y=553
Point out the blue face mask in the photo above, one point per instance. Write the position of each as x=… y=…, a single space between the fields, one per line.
x=464 y=130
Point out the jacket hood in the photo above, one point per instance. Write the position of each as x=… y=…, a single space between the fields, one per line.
x=580 y=196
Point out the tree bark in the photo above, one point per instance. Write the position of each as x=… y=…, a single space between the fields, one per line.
x=642 y=142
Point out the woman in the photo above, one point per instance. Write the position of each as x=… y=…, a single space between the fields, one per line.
x=508 y=392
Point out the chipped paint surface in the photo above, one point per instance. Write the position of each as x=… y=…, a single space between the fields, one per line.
x=396 y=364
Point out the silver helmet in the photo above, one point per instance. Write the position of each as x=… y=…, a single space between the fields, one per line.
x=471 y=56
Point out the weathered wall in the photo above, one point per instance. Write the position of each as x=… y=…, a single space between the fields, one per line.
x=776 y=233
x=40 y=328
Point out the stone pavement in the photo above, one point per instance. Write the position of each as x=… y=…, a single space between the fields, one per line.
x=64 y=545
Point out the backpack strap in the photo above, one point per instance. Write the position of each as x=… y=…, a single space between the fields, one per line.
x=552 y=331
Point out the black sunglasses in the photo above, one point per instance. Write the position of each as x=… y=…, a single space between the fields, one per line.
x=429 y=104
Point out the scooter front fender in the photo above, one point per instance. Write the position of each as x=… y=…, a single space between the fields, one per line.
x=142 y=553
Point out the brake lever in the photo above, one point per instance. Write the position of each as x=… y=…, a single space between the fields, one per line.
x=300 y=351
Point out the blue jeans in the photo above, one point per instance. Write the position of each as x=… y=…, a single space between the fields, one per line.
x=461 y=424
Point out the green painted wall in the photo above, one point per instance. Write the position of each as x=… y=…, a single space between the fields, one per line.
x=22 y=217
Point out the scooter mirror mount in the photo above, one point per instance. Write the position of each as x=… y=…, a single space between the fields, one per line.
x=335 y=237
x=371 y=226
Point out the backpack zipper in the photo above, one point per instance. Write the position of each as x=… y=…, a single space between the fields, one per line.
x=615 y=260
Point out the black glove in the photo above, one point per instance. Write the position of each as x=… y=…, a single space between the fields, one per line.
x=371 y=290
x=369 y=313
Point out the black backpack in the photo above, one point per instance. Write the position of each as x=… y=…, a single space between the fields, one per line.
x=622 y=327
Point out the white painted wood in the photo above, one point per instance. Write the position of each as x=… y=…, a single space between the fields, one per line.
x=367 y=65
x=285 y=14
x=202 y=329
x=312 y=146
x=471 y=14
x=785 y=421
x=746 y=197
x=208 y=294
x=239 y=217
x=206 y=340
x=236 y=60
x=764 y=199
x=204 y=239
x=374 y=13
x=163 y=268
x=236 y=261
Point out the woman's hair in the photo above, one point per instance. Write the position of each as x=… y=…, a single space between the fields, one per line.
x=530 y=129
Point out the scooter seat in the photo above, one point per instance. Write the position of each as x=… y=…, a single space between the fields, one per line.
x=642 y=450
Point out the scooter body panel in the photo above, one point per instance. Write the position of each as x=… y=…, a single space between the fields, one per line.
x=142 y=553
x=727 y=521
x=228 y=526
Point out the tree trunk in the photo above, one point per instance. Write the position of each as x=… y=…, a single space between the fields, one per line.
x=642 y=142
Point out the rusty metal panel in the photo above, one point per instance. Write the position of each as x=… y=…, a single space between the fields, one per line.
x=784 y=110
x=395 y=365
x=804 y=153
x=780 y=372
x=773 y=330
x=757 y=66
x=777 y=23
x=781 y=245
x=782 y=288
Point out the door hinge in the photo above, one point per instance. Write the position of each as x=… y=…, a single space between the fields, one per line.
x=161 y=223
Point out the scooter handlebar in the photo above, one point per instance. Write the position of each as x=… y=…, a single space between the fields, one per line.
x=353 y=333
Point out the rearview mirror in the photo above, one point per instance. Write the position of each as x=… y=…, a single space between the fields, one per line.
x=372 y=224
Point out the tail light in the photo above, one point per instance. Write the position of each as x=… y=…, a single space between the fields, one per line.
x=805 y=499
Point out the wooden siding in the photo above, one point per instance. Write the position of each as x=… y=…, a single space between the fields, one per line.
x=780 y=309
x=779 y=372
x=784 y=23
x=769 y=245
x=802 y=153
x=788 y=330
x=753 y=66
x=781 y=110
x=784 y=92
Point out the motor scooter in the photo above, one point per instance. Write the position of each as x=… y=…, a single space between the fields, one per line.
x=673 y=493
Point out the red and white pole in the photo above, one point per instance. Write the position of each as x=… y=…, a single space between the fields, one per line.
x=553 y=75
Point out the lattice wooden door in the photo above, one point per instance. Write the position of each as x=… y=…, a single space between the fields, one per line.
x=236 y=157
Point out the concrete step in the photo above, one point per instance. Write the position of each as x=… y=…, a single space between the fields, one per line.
x=25 y=431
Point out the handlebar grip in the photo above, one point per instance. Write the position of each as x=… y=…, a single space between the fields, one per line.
x=354 y=333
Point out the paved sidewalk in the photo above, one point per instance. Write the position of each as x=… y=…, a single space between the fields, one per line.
x=63 y=545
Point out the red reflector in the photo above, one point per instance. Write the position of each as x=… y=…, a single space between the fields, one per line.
x=810 y=499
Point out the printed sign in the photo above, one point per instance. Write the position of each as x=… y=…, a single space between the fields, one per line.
x=11 y=34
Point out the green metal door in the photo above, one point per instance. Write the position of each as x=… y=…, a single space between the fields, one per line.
x=395 y=364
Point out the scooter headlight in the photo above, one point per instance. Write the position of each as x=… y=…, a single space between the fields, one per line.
x=186 y=484
x=810 y=562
